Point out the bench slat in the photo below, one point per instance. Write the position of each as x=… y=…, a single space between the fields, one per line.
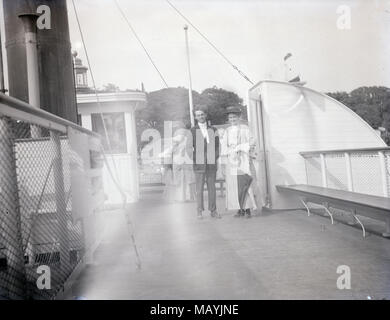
x=374 y=202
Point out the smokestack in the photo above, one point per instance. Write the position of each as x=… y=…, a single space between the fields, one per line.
x=56 y=80
x=29 y=22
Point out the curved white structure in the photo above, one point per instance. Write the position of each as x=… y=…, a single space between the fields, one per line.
x=287 y=119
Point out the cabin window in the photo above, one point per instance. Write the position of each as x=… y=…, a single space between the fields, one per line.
x=80 y=79
x=116 y=131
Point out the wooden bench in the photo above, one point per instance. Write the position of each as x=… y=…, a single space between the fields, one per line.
x=357 y=203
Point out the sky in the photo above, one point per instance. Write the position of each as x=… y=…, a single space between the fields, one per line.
x=254 y=34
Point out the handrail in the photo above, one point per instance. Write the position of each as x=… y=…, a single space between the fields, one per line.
x=376 y=149
x=15 y=108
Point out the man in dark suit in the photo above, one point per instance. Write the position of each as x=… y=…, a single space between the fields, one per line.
x=205 y=142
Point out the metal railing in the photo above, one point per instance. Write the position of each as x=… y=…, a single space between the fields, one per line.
x=50 y=199
x=360 y=170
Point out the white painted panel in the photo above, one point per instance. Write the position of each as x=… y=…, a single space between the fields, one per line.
x=299 y=119
x=123 y=170
x=79 y=159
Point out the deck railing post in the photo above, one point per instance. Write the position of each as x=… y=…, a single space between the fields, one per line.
x=349 y=170
x=60 y=200
x=307 y=175
x=323 y=170
x=382 y=162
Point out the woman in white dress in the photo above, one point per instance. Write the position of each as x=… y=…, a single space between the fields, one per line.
x=236 y=148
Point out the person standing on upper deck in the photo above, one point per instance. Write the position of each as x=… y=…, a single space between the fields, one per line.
x=205 y=144
x=237 y=145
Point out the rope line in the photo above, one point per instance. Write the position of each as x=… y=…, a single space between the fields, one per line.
x=91 y=72
x=114 y=179
x=241 y=73
x=140 y=41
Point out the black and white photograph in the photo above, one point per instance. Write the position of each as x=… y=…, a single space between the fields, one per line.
x=213 y=151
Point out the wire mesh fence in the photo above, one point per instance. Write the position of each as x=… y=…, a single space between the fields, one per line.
x=38 y=225
x=363 y=171
x=313 y=170
x=336 y=172
x=387 y=168
x=367 y=174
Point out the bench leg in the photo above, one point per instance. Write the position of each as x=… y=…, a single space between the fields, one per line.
x=304 y=203
x=329 y=213
x=361 y=224
x=352 y=222
x=387 y=233
x=326 y=207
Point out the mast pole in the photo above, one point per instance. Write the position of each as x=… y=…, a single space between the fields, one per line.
x=189 y=78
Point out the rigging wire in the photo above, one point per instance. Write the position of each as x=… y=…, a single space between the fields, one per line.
x=140 y=41
x=91 y=72
x=210 y=43
x=95 y=89
x=115 y=179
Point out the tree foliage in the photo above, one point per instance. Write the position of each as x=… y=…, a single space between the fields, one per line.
x=172 y=104
x=217 y=100
x=370 y=103
x=110 y=87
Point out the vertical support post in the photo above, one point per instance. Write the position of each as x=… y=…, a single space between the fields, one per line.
x=132 y=153
x=82 y=201
x=189 y=78
x=307 y=176
x=30 y=29
x=2 y=85
x=60 y=199
x=264 y=147
x=11 y=237
x=323 y=171
x=382 y=162
x=349 y=170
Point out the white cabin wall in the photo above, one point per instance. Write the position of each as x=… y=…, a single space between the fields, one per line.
x=124 y=166
x=131 y=137
x=299 y=119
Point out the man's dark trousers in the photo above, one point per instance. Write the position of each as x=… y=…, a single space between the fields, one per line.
x=206 y=169
x=208 y=176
